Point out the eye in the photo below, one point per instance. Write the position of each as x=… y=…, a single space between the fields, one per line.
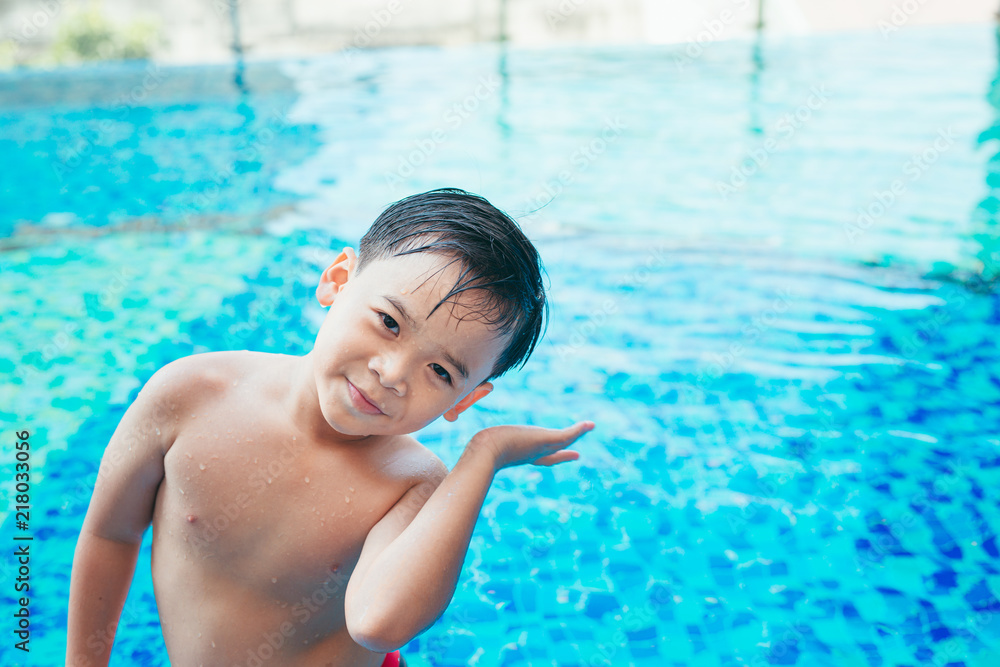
x=389 y=323
x=441 y=372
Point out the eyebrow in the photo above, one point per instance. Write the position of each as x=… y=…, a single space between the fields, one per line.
x=398 y=305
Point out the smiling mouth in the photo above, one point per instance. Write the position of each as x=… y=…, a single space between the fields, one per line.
x=361 y=402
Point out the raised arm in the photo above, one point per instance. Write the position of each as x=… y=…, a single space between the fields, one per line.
x=411 y=561
x=121 y=509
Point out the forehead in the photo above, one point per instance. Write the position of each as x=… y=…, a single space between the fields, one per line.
x=417 y=283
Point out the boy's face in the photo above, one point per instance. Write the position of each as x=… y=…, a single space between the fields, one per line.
x=381 y=365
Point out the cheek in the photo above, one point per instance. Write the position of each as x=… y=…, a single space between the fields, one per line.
x=337 y=339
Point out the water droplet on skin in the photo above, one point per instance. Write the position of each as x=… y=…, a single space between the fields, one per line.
x=188 y=455
x=307 y=480
x=213 y=644
x=236 y=382
x=201 y=465
x=182 y=491
x=351 y=488
x=157 y=431
x=274 y=580
x=347 y=499
x=214 y=456
x=268 y=480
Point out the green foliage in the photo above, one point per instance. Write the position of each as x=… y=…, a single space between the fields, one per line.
x=89 y=35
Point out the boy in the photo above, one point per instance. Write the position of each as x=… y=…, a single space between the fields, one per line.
x=294 y=520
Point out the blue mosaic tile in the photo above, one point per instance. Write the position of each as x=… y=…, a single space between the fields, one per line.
x=823 y=499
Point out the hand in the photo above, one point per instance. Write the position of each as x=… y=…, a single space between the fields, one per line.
x=517 y=445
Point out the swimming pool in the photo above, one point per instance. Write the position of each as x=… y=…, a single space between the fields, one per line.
x=762 y=267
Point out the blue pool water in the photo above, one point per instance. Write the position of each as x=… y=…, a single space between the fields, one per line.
x=771 y=283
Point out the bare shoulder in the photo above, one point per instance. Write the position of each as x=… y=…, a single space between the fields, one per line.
x=188 y=385
x=414 y=462
x=194 y=378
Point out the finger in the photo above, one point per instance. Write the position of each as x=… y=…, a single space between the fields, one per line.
x=574 y=432
x=566 y=434
x=562 y=456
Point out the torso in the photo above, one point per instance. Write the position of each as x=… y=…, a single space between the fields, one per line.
x=257 y=528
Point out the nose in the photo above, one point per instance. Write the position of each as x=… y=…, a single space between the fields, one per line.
x=390 y=367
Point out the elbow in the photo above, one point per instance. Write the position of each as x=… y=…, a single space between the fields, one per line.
x=376 y=632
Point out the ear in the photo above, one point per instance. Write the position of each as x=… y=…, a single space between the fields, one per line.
x=467 y=402
x=333 y=279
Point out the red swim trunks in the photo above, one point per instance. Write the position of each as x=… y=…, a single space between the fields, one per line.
x=392 y=660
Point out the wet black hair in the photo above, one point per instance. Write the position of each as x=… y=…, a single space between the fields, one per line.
x=497 y=260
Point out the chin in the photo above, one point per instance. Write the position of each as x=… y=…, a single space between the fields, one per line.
x=343 y=423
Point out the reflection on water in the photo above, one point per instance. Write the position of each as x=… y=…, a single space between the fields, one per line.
x=796 y=445
x=987 y=217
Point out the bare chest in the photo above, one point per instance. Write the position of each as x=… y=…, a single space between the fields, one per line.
x=270 y=510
